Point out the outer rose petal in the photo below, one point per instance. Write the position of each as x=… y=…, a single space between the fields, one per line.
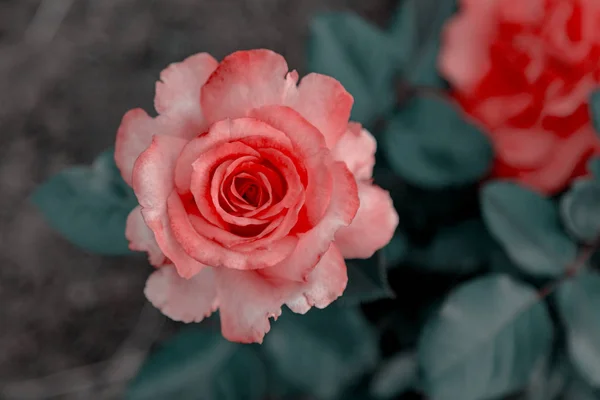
x=325 y=283
x=357 y=149
x=524 y=148
x=325 y=103
x=178 y=91
x=373 y=226
x=135 y=135
x=556 y=172
x=152 y=184
x=244 y=80
x=464 y=62
x=186 y=300
x=314 y=243
x=141 y=238
x=247 y=300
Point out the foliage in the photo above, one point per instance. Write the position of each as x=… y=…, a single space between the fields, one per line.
x=89 y=205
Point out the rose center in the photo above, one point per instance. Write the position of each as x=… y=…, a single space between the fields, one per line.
x=250 y=191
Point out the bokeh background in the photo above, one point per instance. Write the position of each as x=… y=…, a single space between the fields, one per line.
x=75 y=325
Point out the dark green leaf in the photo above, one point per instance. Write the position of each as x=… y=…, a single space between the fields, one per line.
x=548 y=379
x=528 y=227
x=89 y=206
x=578 y=389
x=367 y=281
x=323 y=351
x=417 y=29
x=463 y=248
x=594 y=105
x=361 y=56
x=358 y=391
x=395 y=251
x=485 y=341
x=395 y=376
x=431 y=145
x=580 y=210
x=198 y=364
x=593 y=167
x=579 y=304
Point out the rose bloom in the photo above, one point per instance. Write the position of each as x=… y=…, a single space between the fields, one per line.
x=252 y=190
x=525 y=69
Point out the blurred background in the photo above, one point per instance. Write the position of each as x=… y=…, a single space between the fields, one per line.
x=74 y=325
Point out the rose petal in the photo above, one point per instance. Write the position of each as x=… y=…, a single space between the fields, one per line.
x=210 y=253
x=310 y=147
x=178 y=91
x=267 y=193
x=241 y=184
x=141 y=238
x=186 y=300
x=223 y=132
x=357 y=149
x=314 y=243
x=230 y=239
x=522 y=148
x=554 y=174
x=270 y=181
x=464 y=62
x=523 y=12
x=565 y=104
x=133 y=137
x=223 y=196
x=244 y=80
x=325 y=103
x=324 y=285
x=373 y=226
x=152 y=184
x=247 y=300
x=201 y=179
x=286 y=168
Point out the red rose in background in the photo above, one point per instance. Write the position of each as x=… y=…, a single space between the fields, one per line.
x=252 y=190
x=524 y=69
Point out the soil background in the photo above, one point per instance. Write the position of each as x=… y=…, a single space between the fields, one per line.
x=75 y=325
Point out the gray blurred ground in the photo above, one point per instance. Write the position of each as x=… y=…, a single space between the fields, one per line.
x=75 y=325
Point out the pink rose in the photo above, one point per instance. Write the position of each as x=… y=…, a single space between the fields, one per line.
x=249 y=188
x=525 y=69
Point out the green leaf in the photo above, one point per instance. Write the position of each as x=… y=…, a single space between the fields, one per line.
x=200 y=364
x=580 y=210
x=594 y=108
x=549 y=379
x=463 y=248
x=367 y=281
x=89 y=206
x=395 y=251
x=359 y=391
x=485 y=341
x=593 y=167
x=417 y=29
x=323 y=351
x=579 y=304
x=578 y=389
x=431 y=145
x=528 y=227
x=395 y=376
x=361 y=56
